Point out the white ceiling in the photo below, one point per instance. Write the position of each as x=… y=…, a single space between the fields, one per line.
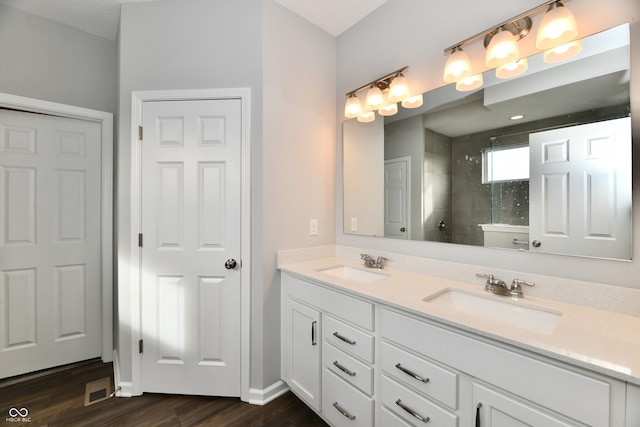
x=100 y=17
x=333 y=16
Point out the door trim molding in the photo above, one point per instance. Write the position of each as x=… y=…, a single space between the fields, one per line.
x=106 y=238
x=138 y=98
x=407 y=161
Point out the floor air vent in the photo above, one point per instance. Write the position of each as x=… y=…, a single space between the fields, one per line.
x=97 y=391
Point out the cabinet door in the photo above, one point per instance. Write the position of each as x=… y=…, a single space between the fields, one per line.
x=497 y=409
x=304 y=364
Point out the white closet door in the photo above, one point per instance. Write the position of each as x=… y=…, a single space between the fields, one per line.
x=50 y=289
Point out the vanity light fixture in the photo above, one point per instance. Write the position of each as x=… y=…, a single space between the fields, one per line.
x=470 y=83
x=389 y=109
x=399 y=89
x=413 y=101
x=512 y=69
x=367 y=116
x=502 y=49
x=458 y=66
x=558 y=27
x=374 y=99
x=353 y=107
x=562 y=52
x=383 y=96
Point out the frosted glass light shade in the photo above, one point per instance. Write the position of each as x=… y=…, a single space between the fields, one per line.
x=413 y=101
x=458 y=66
x=512 y=69
x=558 y=26
x=502 y=49
x=367 y=116
x=389 y=109
x=399 y=89
x=470 y=83
x=374 y=99
x=352 y=108
x=562 y=52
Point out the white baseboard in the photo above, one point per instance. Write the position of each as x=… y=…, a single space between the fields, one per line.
x=126 y=389
x=266 y=395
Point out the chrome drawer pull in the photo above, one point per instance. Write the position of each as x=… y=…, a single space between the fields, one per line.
x=478 y=414
x=343 y=369
x=343 y=412
x=347 y=340
x=412 y=412
x=313 y=333
x=408 y=372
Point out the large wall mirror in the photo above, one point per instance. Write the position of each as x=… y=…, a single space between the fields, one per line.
x=465 y=168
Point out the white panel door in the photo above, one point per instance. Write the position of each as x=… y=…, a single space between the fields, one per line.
x=580 y=190
x=495 y=409
x=50 y=195
x=304 y=341
x=191 y=180
x=396 y=198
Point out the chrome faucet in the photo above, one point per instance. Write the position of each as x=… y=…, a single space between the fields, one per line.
x=516 y=287
x=499 y=287
x=371 y=263
x=494 y=285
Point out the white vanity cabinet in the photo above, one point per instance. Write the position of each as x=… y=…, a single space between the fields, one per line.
x=510 y=387
x=406 y=369
x=328 y=351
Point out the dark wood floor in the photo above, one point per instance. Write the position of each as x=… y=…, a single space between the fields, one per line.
x=57 y=399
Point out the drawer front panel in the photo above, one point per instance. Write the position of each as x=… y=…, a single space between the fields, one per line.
x=343 y=405
x=349 y=308
x=349 y=339
x=348 y=368
x=582 y=397
x=389 y=419
x=412 y=407
x=434 y=381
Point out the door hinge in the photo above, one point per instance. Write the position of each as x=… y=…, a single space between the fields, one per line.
x=140 y=133
x=139 y=240
x=140 y=346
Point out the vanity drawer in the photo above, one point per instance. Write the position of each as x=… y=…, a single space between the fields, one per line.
x=441 y=384
x=348 y=338
x=348 y=368
x=347 y=307
x=389 y=419
x=412 y=407
x=527 y=377
x=343 y=405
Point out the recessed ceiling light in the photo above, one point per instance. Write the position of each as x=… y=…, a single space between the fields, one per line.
x=517 y=117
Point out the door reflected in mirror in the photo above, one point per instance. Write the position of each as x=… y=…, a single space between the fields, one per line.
x=540 y=162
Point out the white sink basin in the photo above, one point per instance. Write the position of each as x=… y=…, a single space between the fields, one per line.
x=353 y=274
x=497 y=308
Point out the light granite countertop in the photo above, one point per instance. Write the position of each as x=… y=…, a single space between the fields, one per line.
x=598 y=340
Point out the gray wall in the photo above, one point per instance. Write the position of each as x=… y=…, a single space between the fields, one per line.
x=45 y=60
x=289 y=65
x=163 y=46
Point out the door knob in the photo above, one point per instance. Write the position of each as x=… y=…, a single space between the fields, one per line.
x=230 y=264
x=536 y=243
x=403 y=229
